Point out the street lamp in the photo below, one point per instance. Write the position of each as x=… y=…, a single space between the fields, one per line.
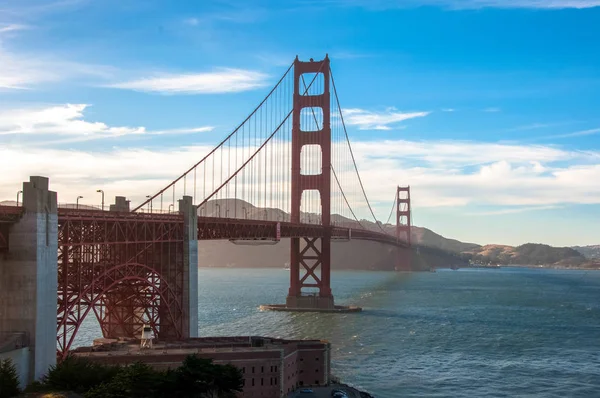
x=149 y=204
x=265 y=214
x=245 y=212
x=171 y=205
x=226 y=213
x=77 y=202
x=218 y=207
x=102 y=192
x=18 y=193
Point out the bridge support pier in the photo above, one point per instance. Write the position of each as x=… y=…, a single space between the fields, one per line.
x=29 y=275
x=190 y=267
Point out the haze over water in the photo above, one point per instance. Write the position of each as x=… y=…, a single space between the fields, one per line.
x=466 y=333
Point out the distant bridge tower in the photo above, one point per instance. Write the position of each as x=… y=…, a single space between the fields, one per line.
x=403 y=227
x=311 y=255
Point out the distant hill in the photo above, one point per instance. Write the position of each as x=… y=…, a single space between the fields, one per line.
x=527 y=254
x=589 y=251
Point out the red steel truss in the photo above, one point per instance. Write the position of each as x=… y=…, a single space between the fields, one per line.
x=125 y=268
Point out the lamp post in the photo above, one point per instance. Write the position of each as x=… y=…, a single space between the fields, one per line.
x=18 y=193
x=77 y=202
x=265 y=214
x=219 y=209
x=245 y=212
x=102 y=192
x=226 y=213
x=149 y=204
x=171 y=205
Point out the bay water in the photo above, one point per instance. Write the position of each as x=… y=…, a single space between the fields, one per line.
x=469 y=333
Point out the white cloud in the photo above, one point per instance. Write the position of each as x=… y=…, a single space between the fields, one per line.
x=513 y=210
x=448 y=110
x=221 y=81
x=370 y=120
x=440 y=173
x=68 y=120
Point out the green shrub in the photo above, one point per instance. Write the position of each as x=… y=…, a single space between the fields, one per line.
x=9 y=379
x=78 y=375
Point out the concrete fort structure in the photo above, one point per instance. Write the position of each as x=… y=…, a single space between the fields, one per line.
x=271 y=367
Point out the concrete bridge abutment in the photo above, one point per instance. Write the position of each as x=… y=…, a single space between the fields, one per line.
x=29 y=276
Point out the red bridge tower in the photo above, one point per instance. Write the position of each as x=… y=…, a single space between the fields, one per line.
x=403 y=228
x=311 y=255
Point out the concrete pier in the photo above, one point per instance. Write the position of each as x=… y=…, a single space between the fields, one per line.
x=190 y=266
x=28 y=276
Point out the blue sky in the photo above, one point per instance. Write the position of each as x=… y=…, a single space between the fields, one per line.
x=487 y=108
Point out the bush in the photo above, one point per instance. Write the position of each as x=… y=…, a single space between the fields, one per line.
x=9 y=379
x=195 y=378
x=78 y=375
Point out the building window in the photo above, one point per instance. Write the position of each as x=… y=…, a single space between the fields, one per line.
x=253 y=369
x=316 y=370
x=252 y=382
x=317 y=382
x=301 y=371
x=317 y=358
x=262 y=369
x=243 y=382
x=262 y=381
x=301 y=359
x=301 y=383
x=275 y=368
x=244 y=369
x=275 y=381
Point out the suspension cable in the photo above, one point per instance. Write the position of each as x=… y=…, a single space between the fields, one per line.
x=351 y=152
x=220 y=144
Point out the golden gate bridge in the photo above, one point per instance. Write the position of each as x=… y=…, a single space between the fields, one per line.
x=291 y=158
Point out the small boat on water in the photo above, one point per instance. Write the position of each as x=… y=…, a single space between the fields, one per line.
x=286 y=266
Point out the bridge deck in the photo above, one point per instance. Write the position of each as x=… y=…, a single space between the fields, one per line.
x=209 y=228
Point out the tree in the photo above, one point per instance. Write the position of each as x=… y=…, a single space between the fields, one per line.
x=134 y=381
x=9 y=379
x=200 y=377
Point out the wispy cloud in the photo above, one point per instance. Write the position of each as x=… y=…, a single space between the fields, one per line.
x=68 y=120
x=576 y=134
x=514 y=210
x=12 y=28
x=492 y=110
x=371 y=120
x=221 y=81
x=469 y=4
x=448 y=110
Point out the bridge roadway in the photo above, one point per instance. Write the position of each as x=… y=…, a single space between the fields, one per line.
x=209 y=228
